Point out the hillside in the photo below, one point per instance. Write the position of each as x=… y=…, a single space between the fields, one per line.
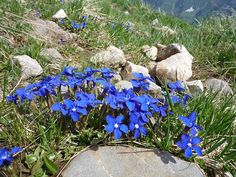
x=190 y=10
x=80 y=74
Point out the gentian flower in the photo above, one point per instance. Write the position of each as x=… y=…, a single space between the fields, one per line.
x=75 y=25
x=86 y=99
x=83 y=25
x=12 y=98
x=176 y=86
x=68 y=71
x=115 y=125
x=190 y=122
x=189 y=144
x=25 y=94
x=141 y=82
x=127 y=98
x=6 y=156
x=107 y=73
x=85 y=17
x=186 y=98
x=137 y=125
x=162 y=110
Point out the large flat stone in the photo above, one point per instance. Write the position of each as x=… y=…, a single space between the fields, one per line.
x=118 y=161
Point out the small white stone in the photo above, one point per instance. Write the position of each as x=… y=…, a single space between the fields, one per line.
x=123 y=84
x=60 y=14
x=195 y=87
x=152 y=53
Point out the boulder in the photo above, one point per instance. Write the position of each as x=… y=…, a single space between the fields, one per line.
x=53 y=56
x=112 y=57
x=60 y=14
x=123 y=84
x=130 y=68
x=195 y=87
x=150 y=52
x=119 y=161
x=175 y=67
x=50 y=32
x=217 y=85
x=29 y=67
x=165 y=52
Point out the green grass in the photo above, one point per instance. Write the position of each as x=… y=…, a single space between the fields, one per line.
x=213 y=44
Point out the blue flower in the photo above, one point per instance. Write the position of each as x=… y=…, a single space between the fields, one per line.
x=107 y=73
x=162 y=110
x=85 y=17
x=6 y=156
x=12 y=98
x=141 y=82
x=115 y=125
x=147 y=102
x=25 y=94
x=186 y=98
x=83 y=25
x=75 y=25
x=86 y=99
x=138 y=126
x=68 y=71
x=176 y=86
x=190 y=122
x=189 y=144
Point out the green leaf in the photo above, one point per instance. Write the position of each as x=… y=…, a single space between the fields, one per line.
x=51 y=166
x=38 y=165
x=31 y=159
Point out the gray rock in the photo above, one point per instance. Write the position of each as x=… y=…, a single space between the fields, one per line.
x=217 y=85
x=112 y=57
x=154 y=88
x=130 y=68
x=60 y=14
x=50 y=32
x=53 y=56
x=165 y=52
x=117 y=77
x=29 y=67
x=118 y=161
x=123 y=84
x=176 y=67
x=195 y=87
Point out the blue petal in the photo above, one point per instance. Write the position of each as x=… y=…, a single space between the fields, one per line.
x=133 y=118
x=185 y=137
x=117 y=133
x=56 y=107
x=109 y=128
x=124 y=128
x=136 y=134
x=182 y=144
x=82 y=111
x=143 y=130
x=131 y=126
x=185 y=121
x=120 y=118
x=193 y=131
x=64 y=111
x=15 y=150
x=188 y=152
x=196 y=140
x=69 y=103
x=110 y=119
x=75 y=116
x=130 y=105
x=198 y=150
x=144 y=107
x=192 y=117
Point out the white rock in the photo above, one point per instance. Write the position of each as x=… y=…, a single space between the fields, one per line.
x=195 y=87
x=123 y=84
x=53 y=56
x=155 y=23
x=167 y=31
x=151 y=53
x=126 y=12
x=176 y=67
x=112 y=57
x=117 y=77
x=154 y=88
x=50 y=32
x=29 y=67
x=60 y=14
x=217 y=85
x=130 y=68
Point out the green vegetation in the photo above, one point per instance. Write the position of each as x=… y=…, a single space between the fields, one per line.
x=48 y=147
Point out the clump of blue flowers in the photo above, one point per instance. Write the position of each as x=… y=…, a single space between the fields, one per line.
x=6 y=155
x=131 y=113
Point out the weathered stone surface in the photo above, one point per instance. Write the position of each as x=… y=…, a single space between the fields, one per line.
x=123 y=84
x=29 y=67
x=217 y=85
x=176 y=67
x=111 y=57
x=151 y=52
x=60 y=14
x=50 y=32
x=195 y=87
x=117 y=77
x=167 y=51
x=118 y=161
x=154 y=88
x=53 y=56
x=130 y=68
